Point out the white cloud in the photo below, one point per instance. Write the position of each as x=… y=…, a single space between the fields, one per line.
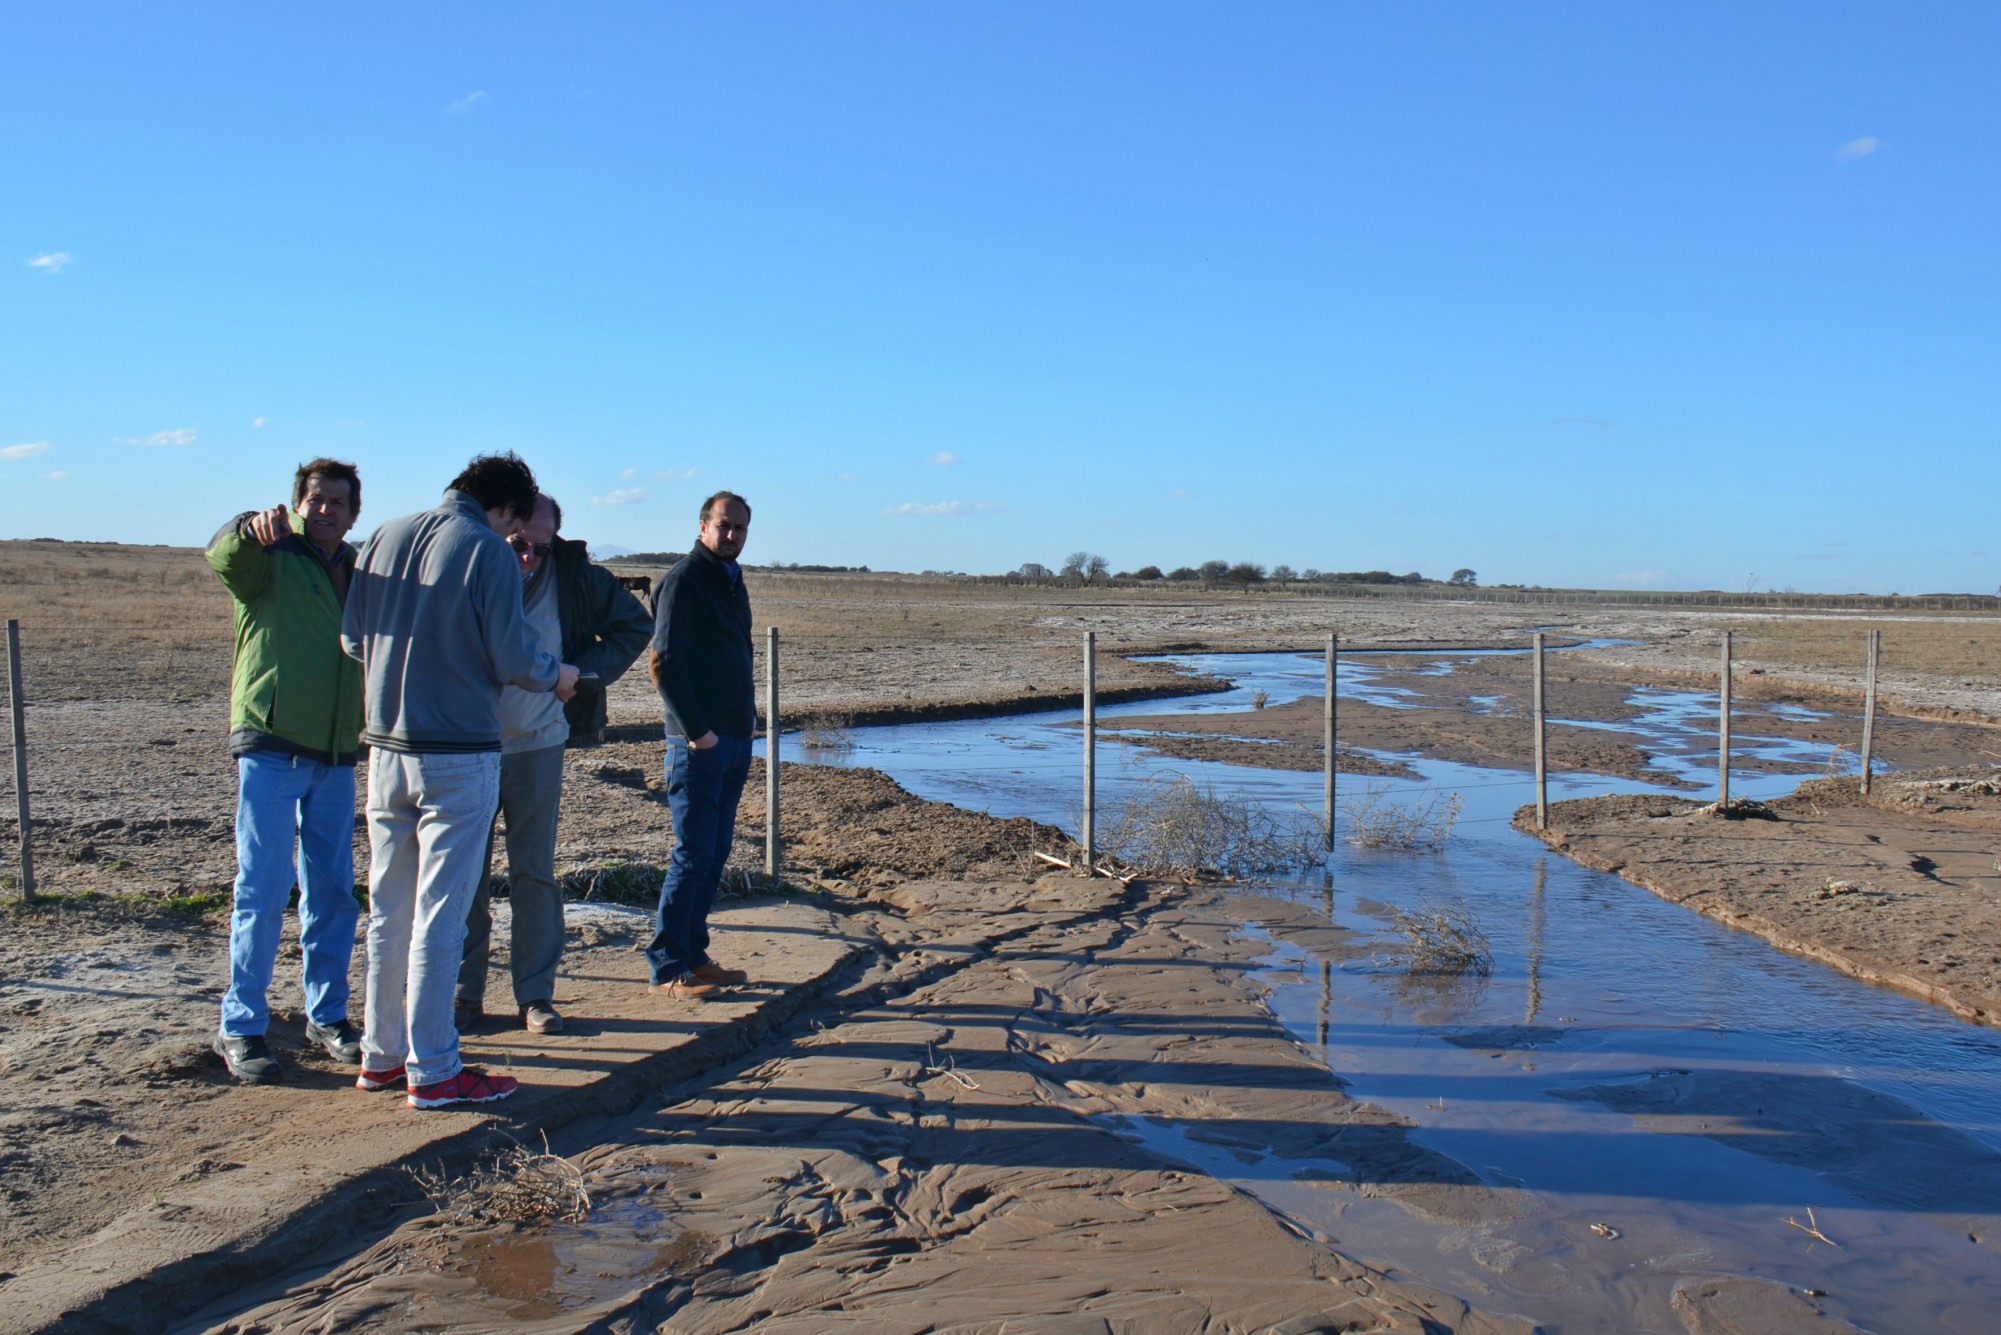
x=1858 y=148
x=53 y=262
x=1649 y=578
x=15 y=453
x=178 y=436
x=848 y=477
x=942 y=509
x=259 y=421
x=1178 y=492
x=60 y=475
x=628 y=473
x=944 y=459
x=673 y=475
x=622 y=496
x=466 y=103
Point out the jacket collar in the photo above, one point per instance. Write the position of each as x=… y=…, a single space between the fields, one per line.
x=342 y=553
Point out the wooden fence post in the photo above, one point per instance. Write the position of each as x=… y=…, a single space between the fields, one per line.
x=1541 y=748
x=1723 y=733
x=1327 y=740
x=1869 y=709
x=20 y=759
x=1088 y=833
x=771 y=857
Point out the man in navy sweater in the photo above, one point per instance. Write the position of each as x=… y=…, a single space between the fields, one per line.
x=701 y=661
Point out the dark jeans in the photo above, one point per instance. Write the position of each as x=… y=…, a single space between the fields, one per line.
x=703 y=788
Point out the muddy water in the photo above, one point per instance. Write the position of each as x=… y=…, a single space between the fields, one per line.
x=1666 y=1100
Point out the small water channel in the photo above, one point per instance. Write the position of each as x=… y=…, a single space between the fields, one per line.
x=1628 y=1064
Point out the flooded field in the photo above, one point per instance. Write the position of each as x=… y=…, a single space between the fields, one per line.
x=1662 y=1099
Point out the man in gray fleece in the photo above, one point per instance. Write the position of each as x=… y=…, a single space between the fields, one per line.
x=435 y=616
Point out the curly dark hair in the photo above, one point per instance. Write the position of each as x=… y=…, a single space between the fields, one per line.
x=500 y=482
x=328 y=470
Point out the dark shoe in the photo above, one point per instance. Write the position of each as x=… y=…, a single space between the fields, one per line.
x=470 y=1085
x=687 y=987
x=249 y=1059
x=540 y=1017
x=467 y=1014
x=711 y=972
x=340 y=1040
x=376 y=1081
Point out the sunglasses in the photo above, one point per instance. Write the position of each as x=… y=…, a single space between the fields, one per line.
x=522 y=545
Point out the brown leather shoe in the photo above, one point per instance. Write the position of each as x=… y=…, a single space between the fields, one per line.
x=687 y=987
x=540 y=1017
x=713 y=972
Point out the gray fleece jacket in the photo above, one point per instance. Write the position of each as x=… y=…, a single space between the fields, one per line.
x=434 y=615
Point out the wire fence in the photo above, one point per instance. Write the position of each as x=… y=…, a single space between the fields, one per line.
x=930 y=664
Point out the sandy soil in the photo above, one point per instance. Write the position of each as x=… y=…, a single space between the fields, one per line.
x=945 y=1154
x=1901 y=887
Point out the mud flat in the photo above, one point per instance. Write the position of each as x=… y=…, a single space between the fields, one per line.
x=914 y=1114
x=1901 y=887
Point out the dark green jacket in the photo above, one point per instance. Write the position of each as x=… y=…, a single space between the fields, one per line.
x=293 y=690
x=604 y=629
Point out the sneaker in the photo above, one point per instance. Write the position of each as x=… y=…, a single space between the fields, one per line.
x=249 y=1058
x=687 y=986
x=340 y=1040
x=711 y=972
x=377 y=1081
x=540 y=1017
x=467 y=1014
x=470 y=1085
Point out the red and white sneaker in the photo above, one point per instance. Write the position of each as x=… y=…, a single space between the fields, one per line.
x=377 y=1081
x=470 y=1085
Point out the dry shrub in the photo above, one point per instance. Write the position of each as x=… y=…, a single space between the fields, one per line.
x=1443 y=939
x=828 y=736
x=1171 y=826
x=1376 y=819
x=515 y=1186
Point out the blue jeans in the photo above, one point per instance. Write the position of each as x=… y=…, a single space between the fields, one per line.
x=703 y=788
x=285 y=802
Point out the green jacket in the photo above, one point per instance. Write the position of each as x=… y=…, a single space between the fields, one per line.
x=293 y=689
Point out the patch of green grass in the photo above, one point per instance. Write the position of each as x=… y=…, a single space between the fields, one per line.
x=199 y=904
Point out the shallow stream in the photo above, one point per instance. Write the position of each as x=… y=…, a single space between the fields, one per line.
x=1628 y=1064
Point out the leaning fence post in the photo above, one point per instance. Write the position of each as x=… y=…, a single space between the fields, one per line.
x=1090 y=749
x=1869 y=708
x=1723 y=733
x=1327 y=741
x=1541 y=749
x=771 y=752
x=20 y=758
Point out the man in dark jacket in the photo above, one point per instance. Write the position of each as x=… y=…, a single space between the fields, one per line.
x=586 y=614
x=701 y=661
x=294 y=725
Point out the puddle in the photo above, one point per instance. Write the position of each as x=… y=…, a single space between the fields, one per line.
x=547 y=1270
x=1627 y=1063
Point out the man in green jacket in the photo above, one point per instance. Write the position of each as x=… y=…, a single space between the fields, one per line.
x=294 y=728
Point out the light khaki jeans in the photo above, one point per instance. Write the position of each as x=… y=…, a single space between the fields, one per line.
x=428 y=816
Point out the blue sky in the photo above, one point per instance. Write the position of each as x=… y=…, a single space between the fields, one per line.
x=1659 y=296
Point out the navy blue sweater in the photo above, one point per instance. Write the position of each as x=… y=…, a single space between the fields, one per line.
x=701 y=648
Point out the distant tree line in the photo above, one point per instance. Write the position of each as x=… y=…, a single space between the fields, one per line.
x=1088 y=567
x=669 y=558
